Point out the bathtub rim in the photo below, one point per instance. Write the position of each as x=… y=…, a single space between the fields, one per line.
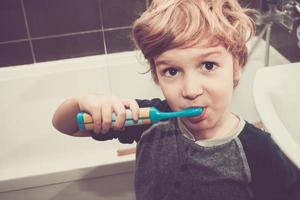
x=124 y=165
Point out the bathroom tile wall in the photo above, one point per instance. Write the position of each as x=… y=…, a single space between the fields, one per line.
x=37 y=31
x=286 y=42
x=283 y=40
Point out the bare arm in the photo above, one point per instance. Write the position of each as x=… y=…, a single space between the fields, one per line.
x=64 y=119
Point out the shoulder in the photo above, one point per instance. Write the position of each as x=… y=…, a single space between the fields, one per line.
x=253 y=136
x=272 y=174
x=260 y=149
x=263 y=154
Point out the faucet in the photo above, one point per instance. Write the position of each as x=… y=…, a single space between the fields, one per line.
x=290 y=14
x=283 y=12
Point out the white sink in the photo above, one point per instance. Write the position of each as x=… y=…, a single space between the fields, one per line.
x=277 y=98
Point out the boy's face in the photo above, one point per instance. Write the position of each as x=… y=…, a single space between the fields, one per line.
x=198 y=76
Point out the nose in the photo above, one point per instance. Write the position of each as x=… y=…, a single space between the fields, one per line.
x=192 y=87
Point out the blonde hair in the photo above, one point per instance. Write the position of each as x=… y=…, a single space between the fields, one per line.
x=169 y=24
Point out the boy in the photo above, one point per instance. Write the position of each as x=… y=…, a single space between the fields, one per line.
x=196 y=50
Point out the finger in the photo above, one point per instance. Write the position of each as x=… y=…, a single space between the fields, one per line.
x=125 y=102
x=97 y=119
x=120 y=113
x=106 y=111
x=134 y=107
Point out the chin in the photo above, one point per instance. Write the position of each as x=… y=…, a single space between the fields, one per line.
x=195 y=127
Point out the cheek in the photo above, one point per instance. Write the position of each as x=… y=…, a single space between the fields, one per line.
x=221 y=92
x=171 y=94
x=168 y=91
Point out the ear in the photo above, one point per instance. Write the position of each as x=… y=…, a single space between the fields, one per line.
x=237 y=71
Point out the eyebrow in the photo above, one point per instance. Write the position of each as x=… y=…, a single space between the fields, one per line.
x=203 y=55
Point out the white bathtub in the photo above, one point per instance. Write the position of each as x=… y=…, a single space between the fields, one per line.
x=34 y=154
x=37 y=162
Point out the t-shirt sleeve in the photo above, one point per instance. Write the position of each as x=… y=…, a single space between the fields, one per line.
x=133 y=133
x=273 y=177
x=284 y=178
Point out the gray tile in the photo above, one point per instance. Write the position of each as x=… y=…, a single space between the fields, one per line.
x=50 y=17
x=285 y=42
x=17 y=53
x=117 y=13
x=12 y=23
x=68 y=46
x=118 y=40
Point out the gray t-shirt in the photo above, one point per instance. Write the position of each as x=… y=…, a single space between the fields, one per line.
x=170 y=165
x=161 y=164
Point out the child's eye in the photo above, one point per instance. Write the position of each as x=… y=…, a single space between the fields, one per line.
x=209 y=66
x=170 y=72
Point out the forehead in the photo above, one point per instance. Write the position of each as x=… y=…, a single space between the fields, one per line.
x=199 y=50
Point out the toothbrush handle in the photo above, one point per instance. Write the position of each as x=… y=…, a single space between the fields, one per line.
x=85 y=120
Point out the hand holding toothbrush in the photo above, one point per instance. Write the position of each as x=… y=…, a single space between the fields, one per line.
x=102 y=107
x=146 y=116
